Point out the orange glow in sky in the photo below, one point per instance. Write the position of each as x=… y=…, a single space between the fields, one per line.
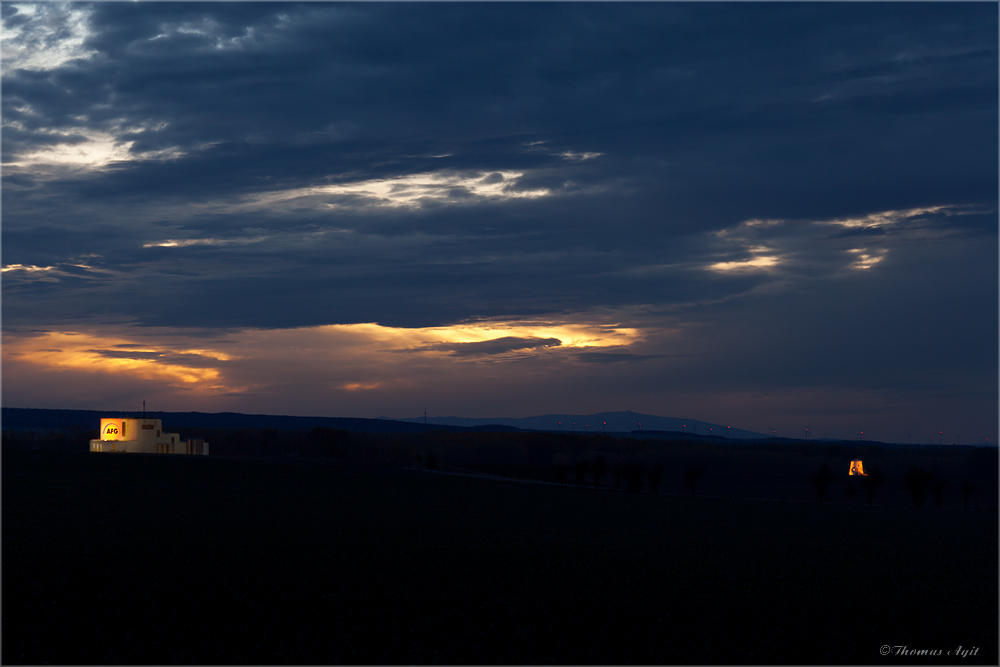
x=349 y=358
x=81 y=351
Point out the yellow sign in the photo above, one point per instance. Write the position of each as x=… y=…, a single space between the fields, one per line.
x=112 y=429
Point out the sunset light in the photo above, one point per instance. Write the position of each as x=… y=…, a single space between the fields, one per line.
x=359 y=358
x=760 y=262
x=865 y=258
x=405 y=191
x=115 y=356
x=29 y=268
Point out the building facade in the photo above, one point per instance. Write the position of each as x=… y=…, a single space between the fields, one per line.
x=143 y=436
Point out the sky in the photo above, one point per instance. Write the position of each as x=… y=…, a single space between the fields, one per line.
x=774 y=216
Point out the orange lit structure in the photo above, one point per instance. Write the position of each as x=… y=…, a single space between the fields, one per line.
x=143 y=436
x=857 y=469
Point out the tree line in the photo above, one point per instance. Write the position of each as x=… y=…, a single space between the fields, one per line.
x=595 y=459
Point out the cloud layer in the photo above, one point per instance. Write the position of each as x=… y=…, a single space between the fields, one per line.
x=804 y=194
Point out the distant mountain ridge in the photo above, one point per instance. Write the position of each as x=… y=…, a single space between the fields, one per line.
x=609 y=422
x=43 y=418
x=614 y=423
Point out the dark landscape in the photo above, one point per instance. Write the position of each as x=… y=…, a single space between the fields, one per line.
x=362 y=548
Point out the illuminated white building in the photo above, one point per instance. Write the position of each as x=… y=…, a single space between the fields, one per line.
x=143 y=436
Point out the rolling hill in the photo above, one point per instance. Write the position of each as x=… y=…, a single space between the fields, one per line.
x=610 y=422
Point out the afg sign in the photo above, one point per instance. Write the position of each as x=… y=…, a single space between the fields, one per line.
x=112 y=429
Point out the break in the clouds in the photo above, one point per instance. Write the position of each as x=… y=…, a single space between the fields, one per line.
x=780 y=213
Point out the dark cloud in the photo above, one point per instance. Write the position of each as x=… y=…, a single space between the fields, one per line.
x=120 y=354
x=188 y=359
x=494 y=346
x=613 y=357
x=861 y=231
x=730 y=166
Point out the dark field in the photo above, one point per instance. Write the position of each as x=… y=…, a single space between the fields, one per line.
x=146 y=559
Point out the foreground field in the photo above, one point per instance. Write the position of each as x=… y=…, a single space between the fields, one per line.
x=145 y=559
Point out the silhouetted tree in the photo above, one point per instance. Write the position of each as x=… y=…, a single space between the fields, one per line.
x=917 y=482
x=937 y=488
x=431 y=462
x=633 y=471
x=967 y=490
x=654 y=477
x=618 y=470
x=598 y=470
x=870 y=484
x=692 y=475
x=581 y=470
x=850 y=490
x=562 y=473
x=822 y=479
